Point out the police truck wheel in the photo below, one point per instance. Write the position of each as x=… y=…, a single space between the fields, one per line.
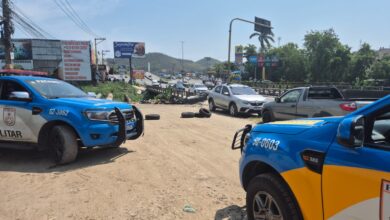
x=211 y=105
x=233 y=110
x=268 y=197
x=64 y=144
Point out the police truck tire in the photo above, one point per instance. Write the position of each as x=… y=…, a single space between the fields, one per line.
x=63 y=142
x=204 y=113
x=271 y=188
x=267 y=116
x=187 y=114
x=152 y=117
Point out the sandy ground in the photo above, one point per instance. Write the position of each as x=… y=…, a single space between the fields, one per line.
x=177 y=162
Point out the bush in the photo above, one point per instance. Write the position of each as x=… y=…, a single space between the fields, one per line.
x=118 y=89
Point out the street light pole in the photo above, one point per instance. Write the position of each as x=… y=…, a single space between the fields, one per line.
x=230 y=34
x=97 y=41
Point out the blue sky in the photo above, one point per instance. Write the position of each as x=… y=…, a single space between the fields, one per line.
x=203 y=24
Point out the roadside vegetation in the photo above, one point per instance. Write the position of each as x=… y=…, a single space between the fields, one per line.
x=118 y=89
x=321 y=58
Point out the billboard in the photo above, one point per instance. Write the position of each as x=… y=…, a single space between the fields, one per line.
x=19 y=64
x=138 y=74
x=76 y=61
x=129 y=49
x=239 y=54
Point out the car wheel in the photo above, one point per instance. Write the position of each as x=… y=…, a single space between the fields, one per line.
x=267 y=117
x=268 y=197
x=211 y=105
x=233 y=110
x=63 y=144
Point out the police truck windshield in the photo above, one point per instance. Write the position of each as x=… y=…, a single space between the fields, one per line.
x=56 y=89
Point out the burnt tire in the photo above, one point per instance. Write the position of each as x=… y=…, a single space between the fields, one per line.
x=204 y=113
x=281 y=201
x=211 y=105
x=63 y=143
x=152 y=117
x=187 y=114
x=267 y=116
x=198 y=115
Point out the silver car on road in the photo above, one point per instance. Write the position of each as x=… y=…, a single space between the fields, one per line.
x=236 y=98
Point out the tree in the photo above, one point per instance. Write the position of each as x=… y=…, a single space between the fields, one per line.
x=291 y=66
x=361 y=62
x=328 y=59
x=264 y=39
x=380 y=69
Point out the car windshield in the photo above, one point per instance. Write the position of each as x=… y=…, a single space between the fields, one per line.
x=51 y=88
x=200 y=86
x=242 y=90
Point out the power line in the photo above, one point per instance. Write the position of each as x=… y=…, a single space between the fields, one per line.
x=27 y=25
x=21 y=14
x=78 y=17
x=72 y=15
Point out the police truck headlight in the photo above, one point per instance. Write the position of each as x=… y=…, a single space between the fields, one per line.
x=98 y=115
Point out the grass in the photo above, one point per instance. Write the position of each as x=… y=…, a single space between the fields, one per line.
x=118 y=89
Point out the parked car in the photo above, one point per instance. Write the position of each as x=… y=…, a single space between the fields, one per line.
x=155 y=83
x=236 y=98
x=179 y=86
x=304 y=102
x=45 y=113
x=198 y=89
x=210 y=85
x=318 y=168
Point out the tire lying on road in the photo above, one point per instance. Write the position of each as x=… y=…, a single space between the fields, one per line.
x=152 y=117
x=204 y=112
x=187 y=114
x=198 y=115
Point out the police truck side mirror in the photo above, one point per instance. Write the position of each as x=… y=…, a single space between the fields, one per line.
x=20 y=96
x=351 y=132
x=277 y=99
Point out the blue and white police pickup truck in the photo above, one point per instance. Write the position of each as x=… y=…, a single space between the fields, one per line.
x=51 y=114
x=318 y=168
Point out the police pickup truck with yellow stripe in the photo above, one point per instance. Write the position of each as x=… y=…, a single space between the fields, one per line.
x=318 y=168
x=49 y=113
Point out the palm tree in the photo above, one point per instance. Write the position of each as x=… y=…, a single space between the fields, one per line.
x=264 y=39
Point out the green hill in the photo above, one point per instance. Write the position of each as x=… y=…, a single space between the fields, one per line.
x=160 y=62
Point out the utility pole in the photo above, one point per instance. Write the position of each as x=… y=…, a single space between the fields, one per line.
x=182 y=56
x=103 y=53
x=97 y=41
x=8 y=31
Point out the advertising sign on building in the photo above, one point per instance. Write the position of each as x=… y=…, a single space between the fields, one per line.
x=129 y=49
x=239 y=54
x=22 y=50
x=19 y=64
x=138 y=74
x=76 y=63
